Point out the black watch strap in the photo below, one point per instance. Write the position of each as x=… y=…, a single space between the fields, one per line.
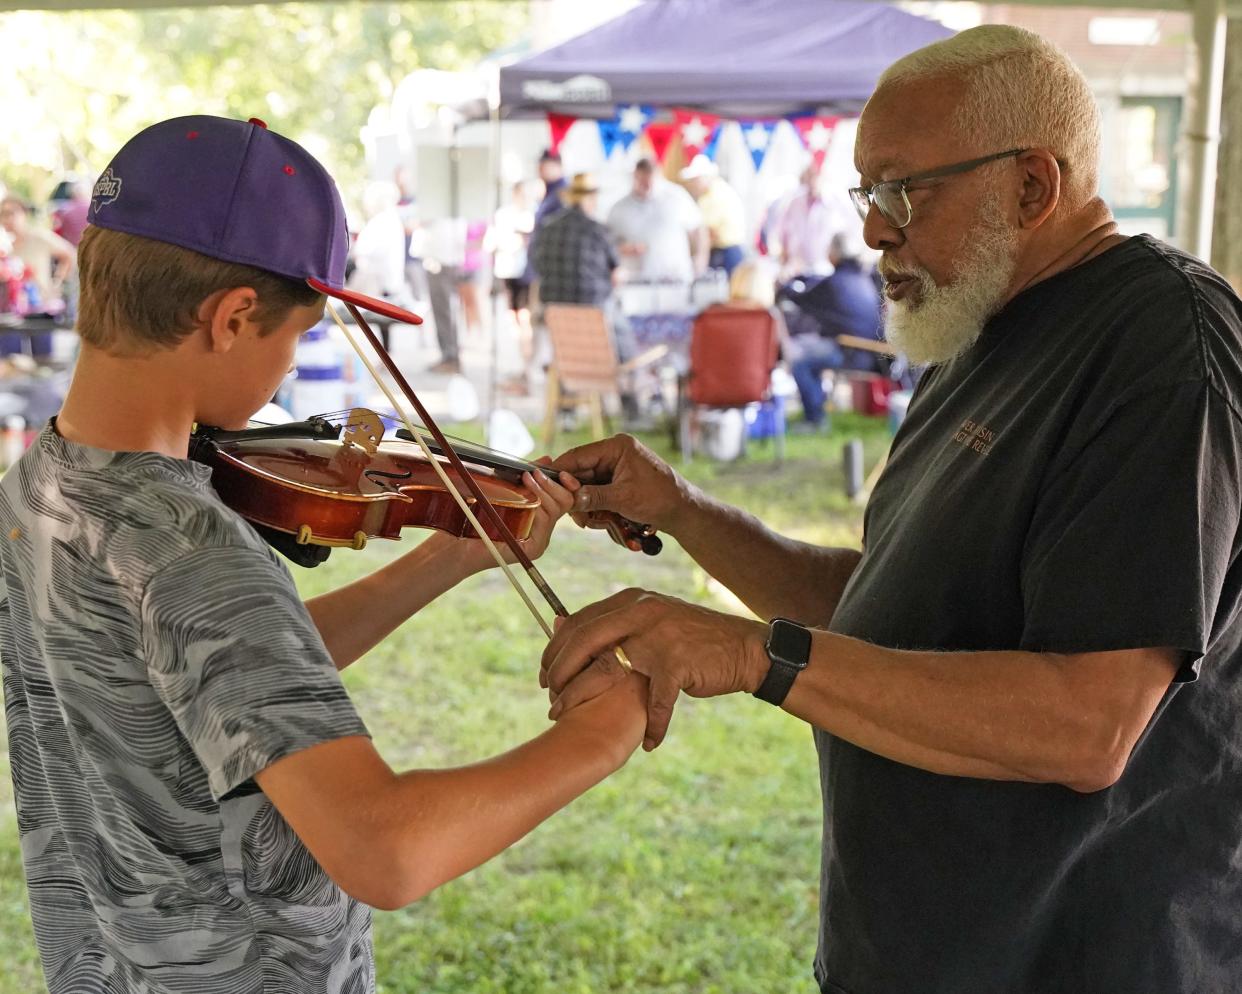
x=789 y=649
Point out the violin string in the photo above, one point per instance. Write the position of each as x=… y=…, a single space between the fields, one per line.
x=484 y=504
x=469 y=446
x=435 y=463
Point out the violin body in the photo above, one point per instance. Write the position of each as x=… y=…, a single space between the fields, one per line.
x=328 y=492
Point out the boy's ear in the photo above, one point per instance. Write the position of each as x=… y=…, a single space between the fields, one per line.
x=225 y=313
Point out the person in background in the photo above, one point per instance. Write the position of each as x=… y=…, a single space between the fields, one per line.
x=49 y=259
x=751 y=288
x=444 y=253
x=69 y=219
x=843 y=303
x=379 y=252
x=1026 y=684
x=472 y=272
x=574 y=254
x=658 y=228
x=507 y=241
x=552 y=175
x=407 y=208
x=577 y=264
x=723 y=215
x=807 y=225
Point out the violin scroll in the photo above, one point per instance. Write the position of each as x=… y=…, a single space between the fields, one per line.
x=632 y=535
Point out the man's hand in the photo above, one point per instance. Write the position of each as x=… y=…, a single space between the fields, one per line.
x=621 y=474
x=678 y=646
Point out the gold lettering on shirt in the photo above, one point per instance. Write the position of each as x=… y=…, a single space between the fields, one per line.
x=976 y=437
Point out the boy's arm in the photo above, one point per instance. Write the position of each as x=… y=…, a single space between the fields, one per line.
x=387 y=839
x=355 y=618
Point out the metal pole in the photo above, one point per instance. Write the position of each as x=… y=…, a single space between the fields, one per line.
x=498 y=310
x=1204 y=131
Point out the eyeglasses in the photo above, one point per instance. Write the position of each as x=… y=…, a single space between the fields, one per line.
x=890 y=197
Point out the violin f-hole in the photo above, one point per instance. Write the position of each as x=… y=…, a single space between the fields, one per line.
x=386 y=480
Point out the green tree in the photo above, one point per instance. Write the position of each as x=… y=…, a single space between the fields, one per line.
x=82 y=82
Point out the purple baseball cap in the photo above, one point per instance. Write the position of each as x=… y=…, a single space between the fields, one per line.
x=235 y=191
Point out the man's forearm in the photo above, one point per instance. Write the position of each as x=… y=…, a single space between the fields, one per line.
x=1003 y=715
x=772 y=575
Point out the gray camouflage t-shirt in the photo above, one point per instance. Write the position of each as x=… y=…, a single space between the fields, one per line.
x=156 y=655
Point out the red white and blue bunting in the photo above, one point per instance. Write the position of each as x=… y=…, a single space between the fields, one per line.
x=698 y=132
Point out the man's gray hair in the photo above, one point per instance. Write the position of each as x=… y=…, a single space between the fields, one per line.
x=1021 y=92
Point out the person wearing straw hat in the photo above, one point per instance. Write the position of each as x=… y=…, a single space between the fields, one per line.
x=200 y=804
x=573 y=253
x=577 y=264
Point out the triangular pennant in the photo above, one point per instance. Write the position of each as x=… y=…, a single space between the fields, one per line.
x=559 y=125
x=631 y=120
x=758 y=136
x=609 y=135
x=660 y=136
x=816 y=135
x=696 y=130
x=713 y=146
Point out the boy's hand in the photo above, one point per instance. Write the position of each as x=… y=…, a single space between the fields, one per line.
x=555 y=499
x=619 y=714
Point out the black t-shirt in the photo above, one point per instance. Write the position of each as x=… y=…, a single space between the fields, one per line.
x=1070 y=484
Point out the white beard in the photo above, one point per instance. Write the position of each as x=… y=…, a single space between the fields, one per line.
x=941 y=322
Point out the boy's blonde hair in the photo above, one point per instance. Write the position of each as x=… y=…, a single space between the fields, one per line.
x=138 y=294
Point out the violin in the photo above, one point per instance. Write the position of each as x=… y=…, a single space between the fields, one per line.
x=315 y=485
x=633 y=535
x=430 y=430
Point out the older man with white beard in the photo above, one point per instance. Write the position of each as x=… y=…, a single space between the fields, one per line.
x=1025 y=689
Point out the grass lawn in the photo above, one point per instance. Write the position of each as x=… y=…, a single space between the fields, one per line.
x=694 y=870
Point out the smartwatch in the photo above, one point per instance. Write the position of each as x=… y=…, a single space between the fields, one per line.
x=789 y=649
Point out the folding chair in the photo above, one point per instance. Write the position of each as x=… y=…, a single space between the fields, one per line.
x=732 y=353
x=584 y=364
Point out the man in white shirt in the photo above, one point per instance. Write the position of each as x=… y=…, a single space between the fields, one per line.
x=657 y=227
x=807 y=225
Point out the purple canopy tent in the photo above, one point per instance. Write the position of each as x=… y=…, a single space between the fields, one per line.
x=733 y=58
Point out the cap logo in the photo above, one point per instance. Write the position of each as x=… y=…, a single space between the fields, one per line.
x=107 y=189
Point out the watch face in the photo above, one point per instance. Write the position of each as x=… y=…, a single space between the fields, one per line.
x=789 y=643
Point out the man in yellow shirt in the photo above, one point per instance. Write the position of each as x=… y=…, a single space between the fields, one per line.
x=722 y=211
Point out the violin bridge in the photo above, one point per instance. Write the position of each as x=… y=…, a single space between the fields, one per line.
x=364 y=429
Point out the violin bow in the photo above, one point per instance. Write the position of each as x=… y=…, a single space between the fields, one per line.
x=419 y=434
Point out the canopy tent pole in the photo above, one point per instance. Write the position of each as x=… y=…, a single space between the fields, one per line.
x=495 y=166
x=1204 y=131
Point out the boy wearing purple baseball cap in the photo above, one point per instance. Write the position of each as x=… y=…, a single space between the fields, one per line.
x=200 y=806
